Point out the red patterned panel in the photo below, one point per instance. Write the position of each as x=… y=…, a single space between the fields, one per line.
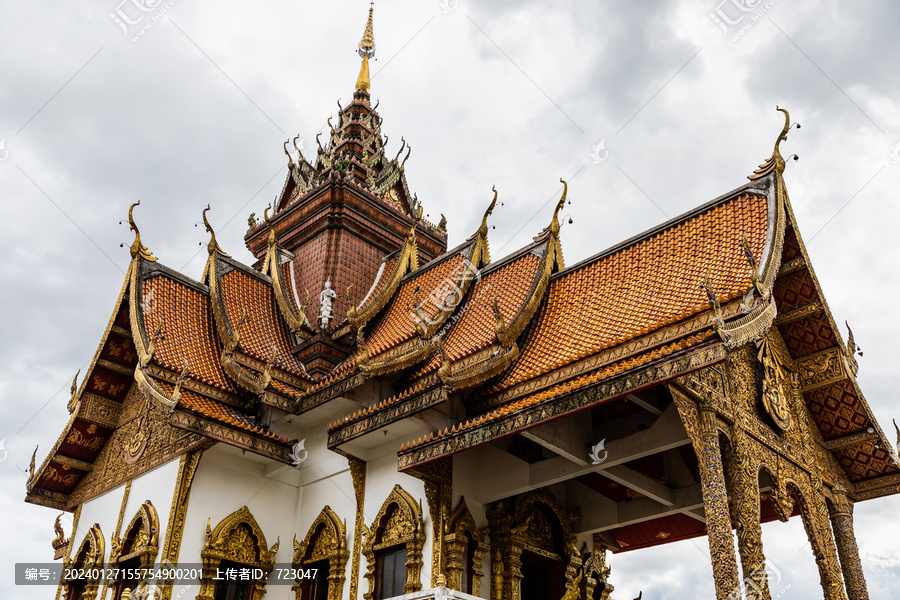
x=84 y=440
x=59 y=478
x=123 y=317
x=865 y=461
x=808 y=335
x=109 y=384
x=836 y=410
x=791 y=248
x=794 y=289
x=119 y=350
x=658 y=531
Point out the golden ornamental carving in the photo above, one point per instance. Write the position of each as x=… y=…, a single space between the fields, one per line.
x=775 y=162
x=177 y=514
x=88 y=557
x=535 y=522
x=398 y=522
x=236 y=538
x=459 y=532
x=775 y=392
x=326 y=540
x=138 y=249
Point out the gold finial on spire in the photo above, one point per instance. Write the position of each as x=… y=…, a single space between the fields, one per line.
x=775 y=162
x=554 y=226
x=490 y=209
x=213 y=244
x=137 y=247
x=366 y=50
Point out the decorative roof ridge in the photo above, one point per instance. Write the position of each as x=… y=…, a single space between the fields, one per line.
x=537 y=248
x=479 y=372
x=35 y=476
x=414 y=390
x=508 y=331
x=406 y=262
x=145 y=347
x=761 y=187
x=440 y=258
x=237 y=265
x=157 y=269
x=296 y=320
x=555 y=391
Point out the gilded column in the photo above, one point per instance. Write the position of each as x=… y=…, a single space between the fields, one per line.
x=701 y=426
x=358 y=472
x=842 y=524
x=745 y=499
x=815 y=513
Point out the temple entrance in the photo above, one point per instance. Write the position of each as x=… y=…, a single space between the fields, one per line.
x=543 y=578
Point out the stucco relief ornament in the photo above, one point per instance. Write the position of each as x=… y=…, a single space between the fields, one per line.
x=326 y=305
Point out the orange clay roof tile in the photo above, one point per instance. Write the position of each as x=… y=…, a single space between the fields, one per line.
x=188 y=333
x=217 y=411
x=642 y=287
x=398 y=324
x=264 y=327
x=473 y=329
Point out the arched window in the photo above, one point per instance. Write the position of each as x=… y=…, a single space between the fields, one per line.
x=393 y=547
x=536 y=546
x=464 y=547
x=136 y=550
x=236 y=543
x=88 y=558
x=324 y=549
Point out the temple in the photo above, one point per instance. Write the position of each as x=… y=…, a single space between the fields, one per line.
x=390 y=417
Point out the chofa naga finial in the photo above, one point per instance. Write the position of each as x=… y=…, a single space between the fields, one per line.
x=776 y=162
x=137 y=247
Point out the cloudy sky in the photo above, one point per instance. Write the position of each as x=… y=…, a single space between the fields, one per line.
x=647 y=108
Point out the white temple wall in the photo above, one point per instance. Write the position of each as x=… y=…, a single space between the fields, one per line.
x=465 y=482
x=224 y=482
x=157 y=486
x=381 y=476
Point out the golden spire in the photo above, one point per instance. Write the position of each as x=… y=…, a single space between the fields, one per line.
x=213 y=245
x=137 y=247
x=366 y=50
x=554 y=225
x=776 y=161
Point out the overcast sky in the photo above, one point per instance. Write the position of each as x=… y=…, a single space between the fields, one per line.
x=647 y=108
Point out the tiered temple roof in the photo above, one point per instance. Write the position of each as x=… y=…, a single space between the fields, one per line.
x=501 y=346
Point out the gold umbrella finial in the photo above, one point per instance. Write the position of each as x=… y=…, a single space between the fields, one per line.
x=366 y=50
